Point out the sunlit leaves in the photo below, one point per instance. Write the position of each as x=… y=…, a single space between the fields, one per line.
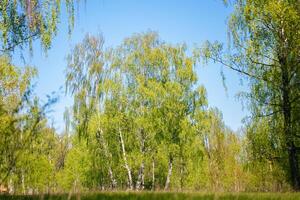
x=21 y=22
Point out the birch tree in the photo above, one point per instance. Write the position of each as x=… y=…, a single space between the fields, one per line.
x=21 y=22
x=147 y=90
x=264 y=49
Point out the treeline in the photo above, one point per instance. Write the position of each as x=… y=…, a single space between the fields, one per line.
x=140 y=121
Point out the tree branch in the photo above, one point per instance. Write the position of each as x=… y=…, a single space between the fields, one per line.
x=15 y=44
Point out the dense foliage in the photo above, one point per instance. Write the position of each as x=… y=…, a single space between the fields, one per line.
x=146 y=119
x=264 y=49
x=140 y=120
x=23 y=128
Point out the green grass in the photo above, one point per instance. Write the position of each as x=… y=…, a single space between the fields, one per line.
x=161 y=196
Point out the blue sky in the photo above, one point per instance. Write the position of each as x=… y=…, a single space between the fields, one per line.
x=176 y=21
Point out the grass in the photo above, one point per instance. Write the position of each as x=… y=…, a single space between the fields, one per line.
x=160 y=196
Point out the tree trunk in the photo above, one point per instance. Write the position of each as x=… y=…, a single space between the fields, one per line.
x=72 y=190
x=140 y=180
x=167 y=185
x=11 y=189
x=181 y=174
x=293 y=160
x=107 y=155
x=23 y=182
x=112 y=179
x=153 y=175
x=125 y=160
x=288 y=132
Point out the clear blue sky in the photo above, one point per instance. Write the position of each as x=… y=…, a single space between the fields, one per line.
x=176 y=21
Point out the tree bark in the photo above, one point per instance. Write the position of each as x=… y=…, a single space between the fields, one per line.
x=11 y=189
x=23 y=182
x=170 y=168
x=288 y=132
x=107 y=155
x=181 y=174
x=112 y=179
x=140 y=180
x=153 y=175
x=125 y=160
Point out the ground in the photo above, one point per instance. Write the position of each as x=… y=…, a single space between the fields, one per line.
x=160 y=196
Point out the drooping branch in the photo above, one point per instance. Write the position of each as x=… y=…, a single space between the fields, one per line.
x=20 y=42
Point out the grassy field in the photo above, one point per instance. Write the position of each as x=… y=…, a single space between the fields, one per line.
x=161 y=196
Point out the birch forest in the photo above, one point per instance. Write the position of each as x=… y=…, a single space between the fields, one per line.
x=140 y=119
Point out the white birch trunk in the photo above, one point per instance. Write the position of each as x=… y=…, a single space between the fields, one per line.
x=140 y=180
x=153 y=174
x=108 y=155
x=11 y=189
x=125 y=160
x=168 y=181
x=23 y=182
x=113 y=180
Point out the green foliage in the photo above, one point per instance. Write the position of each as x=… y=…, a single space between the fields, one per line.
x=23 y=21
x=14 y=92
x=25 y=141
x=264 y=48
x=145 y=117
x=76 y=166
x=140 y=121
